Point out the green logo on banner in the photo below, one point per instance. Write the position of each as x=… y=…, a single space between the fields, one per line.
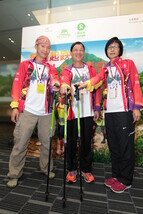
x=81 y=26
x=81 y=30
x=64 y=34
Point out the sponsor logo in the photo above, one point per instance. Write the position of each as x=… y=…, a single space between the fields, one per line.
x=81 y=30
x=64 y=34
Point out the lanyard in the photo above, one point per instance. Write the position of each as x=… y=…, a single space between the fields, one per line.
x=40 y=78
x=81 y=77
x=113 y=76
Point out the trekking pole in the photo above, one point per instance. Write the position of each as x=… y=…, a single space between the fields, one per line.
x=79 y=139
x=65 y=149
x=50 y=147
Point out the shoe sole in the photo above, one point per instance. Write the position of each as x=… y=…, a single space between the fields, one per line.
x=108 y=185
x=121 y=191
x=89 y=181
x=71 y=181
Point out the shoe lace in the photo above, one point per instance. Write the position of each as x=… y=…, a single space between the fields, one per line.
x=88 y=175
x=119 y=184
x=73 y=173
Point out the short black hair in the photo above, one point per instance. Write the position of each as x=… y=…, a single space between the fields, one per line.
x=77 y=43
x=112 y=40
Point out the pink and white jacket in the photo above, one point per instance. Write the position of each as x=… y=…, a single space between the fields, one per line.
x=21 y=83
x=131 y=90
x=66 y=79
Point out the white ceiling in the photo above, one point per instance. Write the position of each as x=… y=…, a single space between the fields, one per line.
x=13 y=17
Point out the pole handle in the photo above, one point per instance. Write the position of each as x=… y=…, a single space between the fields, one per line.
x=76 y=95
x=66 y=99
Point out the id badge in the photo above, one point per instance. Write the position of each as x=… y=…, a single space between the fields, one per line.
x=40 y=88
x=113 y=93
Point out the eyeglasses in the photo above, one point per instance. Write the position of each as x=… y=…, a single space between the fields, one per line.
x=113 y=47
x=76 y=50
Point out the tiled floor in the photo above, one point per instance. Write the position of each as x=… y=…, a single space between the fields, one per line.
x=29 y=196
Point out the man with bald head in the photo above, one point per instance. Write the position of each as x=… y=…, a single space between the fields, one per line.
x=33 y=85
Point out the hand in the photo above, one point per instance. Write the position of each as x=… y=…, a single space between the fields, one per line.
x=65 y=90
x=14 y=115
x=136 y=115
x=96 y=115
x=82 y=85
x=56 y=87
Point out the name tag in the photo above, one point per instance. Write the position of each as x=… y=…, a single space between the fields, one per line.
x=40 y=88
x=113 y=93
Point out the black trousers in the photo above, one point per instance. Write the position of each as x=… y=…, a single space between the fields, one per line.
x=120 y=136
x=60 y=131
x=86 y=131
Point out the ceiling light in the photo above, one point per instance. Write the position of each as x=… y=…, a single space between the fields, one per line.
x=3 y=57
x=114 y=2
x=28 y=14
x=69 y=8
x=12 y=41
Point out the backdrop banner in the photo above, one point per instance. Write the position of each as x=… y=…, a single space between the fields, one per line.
x=94 y=33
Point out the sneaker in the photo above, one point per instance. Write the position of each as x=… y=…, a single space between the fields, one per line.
x=71 y=176
x=88 y=177
x=109 y=182
x=51 y=174
x=119 y=187
x=12 y=183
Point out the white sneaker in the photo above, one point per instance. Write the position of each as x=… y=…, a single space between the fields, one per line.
x=51 y=174
x=12 y=183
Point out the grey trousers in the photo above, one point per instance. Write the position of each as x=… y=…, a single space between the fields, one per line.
x=22 y=133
